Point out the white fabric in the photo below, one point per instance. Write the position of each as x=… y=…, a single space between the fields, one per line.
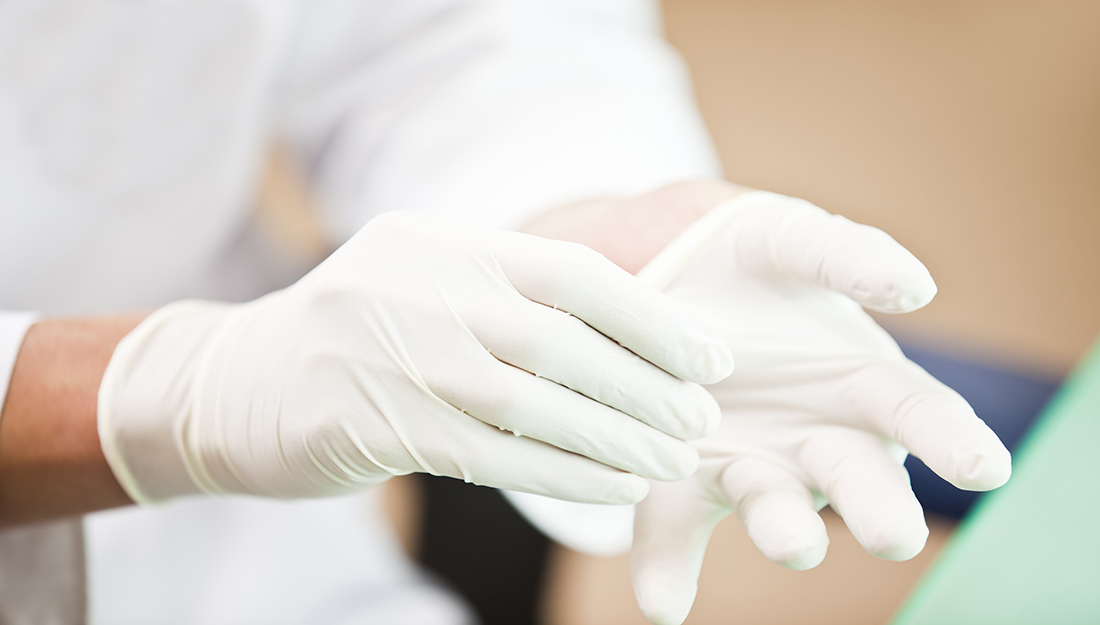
x=492 y=110
x=131 y=134
x=598 y=530
x=42 y=574
x=309 y=564
x=822 y=406
x=421 y=345
x=13 y=327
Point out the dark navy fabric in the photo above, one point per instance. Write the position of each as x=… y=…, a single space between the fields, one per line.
x=1006 y=400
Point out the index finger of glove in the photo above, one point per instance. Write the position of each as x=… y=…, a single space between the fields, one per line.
x=792 y=237
x=903 y=402
x=578 y=280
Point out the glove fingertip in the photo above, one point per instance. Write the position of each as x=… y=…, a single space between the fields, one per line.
x=897 y=537
x=902 y=550
x=985 y=469
x=788 y=533
x=632 y=489
x=618 y=489
x=798 y=555
x=895 y=292
x=698 y=414
x=663 y=598
x=678 y=462
x=710 y=364
x=801 y=558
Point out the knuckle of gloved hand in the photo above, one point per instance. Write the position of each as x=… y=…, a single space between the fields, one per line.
x=504 y=404
x=570 y=266
x=333 y=305
x=910 y=415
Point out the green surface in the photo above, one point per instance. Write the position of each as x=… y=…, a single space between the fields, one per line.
x=1030 y=552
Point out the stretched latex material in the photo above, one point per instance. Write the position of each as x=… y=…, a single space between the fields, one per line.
x=423 y=344
x=823 y=406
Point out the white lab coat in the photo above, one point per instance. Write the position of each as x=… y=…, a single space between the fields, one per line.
x=131 y=137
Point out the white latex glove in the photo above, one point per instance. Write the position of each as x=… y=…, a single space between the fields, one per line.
x=422 y=344
x=822 y=406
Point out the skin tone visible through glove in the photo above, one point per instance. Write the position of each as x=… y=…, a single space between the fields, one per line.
x=822 y=407
x=423 y=344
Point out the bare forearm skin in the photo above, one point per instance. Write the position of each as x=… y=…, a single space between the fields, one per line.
x=51 y=463
x=631 y=231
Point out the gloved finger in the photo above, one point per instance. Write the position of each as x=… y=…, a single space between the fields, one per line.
x=482 y=454
x=903 y=402
x=557 y=346
x=774 y=235
x=869 y=489
x=578 y=280
x=777 y=511
x=777 y=234
x=525 y=405
x=671 y=528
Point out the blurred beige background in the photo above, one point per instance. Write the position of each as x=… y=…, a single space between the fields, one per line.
x=968 y=130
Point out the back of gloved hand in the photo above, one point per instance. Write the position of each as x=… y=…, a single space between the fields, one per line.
x=822 y=408
x=421 y=345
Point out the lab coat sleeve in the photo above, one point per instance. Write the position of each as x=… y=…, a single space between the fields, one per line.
x=13 y=326
x=492 y=111
x=41 y=565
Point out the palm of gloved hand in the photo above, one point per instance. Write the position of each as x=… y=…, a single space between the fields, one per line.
x=822 y=404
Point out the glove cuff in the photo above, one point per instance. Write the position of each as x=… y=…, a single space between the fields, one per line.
x=672 y=261
x=145 y=400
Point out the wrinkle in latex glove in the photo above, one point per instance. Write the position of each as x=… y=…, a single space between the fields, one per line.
x=823 y=407
x=421 y=345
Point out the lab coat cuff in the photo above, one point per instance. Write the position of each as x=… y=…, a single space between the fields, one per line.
x=13 y=327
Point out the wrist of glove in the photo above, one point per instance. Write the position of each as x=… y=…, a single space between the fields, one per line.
x=423 y=344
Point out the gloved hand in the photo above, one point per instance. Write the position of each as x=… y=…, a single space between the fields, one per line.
x=822 y=406
x=421 y=345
